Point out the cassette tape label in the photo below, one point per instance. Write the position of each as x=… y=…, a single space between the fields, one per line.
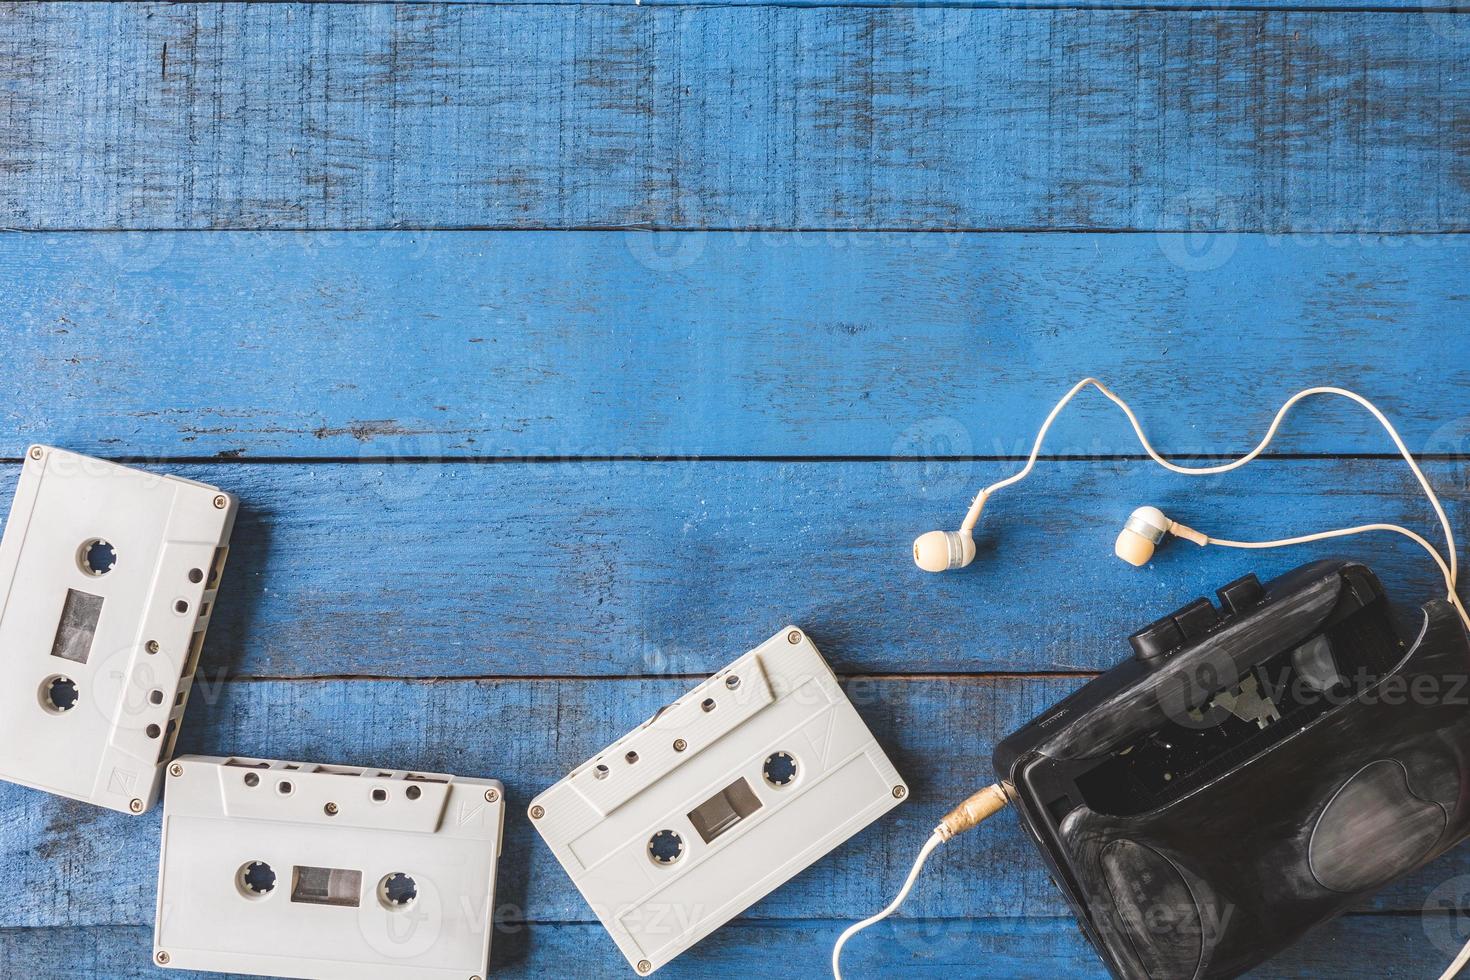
x=719 y=799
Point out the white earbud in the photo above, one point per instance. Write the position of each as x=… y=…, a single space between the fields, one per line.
x=1146 y=527
x=939 y=551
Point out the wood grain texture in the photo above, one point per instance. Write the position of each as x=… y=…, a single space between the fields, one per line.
x=415 y=361
x=368 y=116
x=513 y=345
x=82 y=866
x=935 y=8
x=1359 y=947
x=664 y=568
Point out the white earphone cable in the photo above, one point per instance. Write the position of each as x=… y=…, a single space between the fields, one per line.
x=934 y=841
x=1458 y=965
x=979 y=807
x=1449 y=569
x=1448 y=574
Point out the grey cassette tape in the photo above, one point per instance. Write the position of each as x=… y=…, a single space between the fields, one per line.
x=108 y=578
x=328 y=872
x=718 y=800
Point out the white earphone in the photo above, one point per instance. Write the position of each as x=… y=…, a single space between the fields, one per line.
x=1145 y=529
x=939 y=551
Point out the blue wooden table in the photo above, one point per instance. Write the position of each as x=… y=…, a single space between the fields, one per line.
x=561 y=352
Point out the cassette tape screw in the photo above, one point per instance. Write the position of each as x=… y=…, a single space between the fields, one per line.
x=36 y=452
x=162 y=957
x=221 y=502
x=793 y=637
x=175 y=770
x=151 y=646
x=136 y=806
x=491 y=795
x=644 y=966
x=680 y=745
x=330 y=809
x=537 y=812
x=899 y=792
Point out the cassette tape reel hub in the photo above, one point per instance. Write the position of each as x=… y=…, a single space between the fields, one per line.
x=285 y=869
x=108 y=578
x=718 y=800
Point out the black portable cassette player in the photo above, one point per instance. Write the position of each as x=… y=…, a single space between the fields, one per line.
x=1254 y=770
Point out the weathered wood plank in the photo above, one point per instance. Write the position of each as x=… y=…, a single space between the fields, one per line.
x=82 y=866
x=663 y=568
x=529 y=733
x=600 y=344
x=934 y=9
x=1360 y=947
x=375 y=115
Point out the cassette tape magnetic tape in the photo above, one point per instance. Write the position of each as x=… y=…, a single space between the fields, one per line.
x=108 y=578
x=327 y=872
x=721 y=798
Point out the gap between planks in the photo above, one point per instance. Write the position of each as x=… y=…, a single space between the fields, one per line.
x=937 y=231
x=235 y=459
x=917 y=676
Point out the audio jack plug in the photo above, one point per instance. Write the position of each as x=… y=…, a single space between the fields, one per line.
x=967 y=816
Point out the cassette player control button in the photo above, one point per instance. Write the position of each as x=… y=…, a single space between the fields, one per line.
x=1241 y=595
x=1156 y=639
x=1196 y=619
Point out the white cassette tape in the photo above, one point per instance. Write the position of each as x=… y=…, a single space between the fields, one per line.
x=718 y=800
x=328 y=872
x=108 y=577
